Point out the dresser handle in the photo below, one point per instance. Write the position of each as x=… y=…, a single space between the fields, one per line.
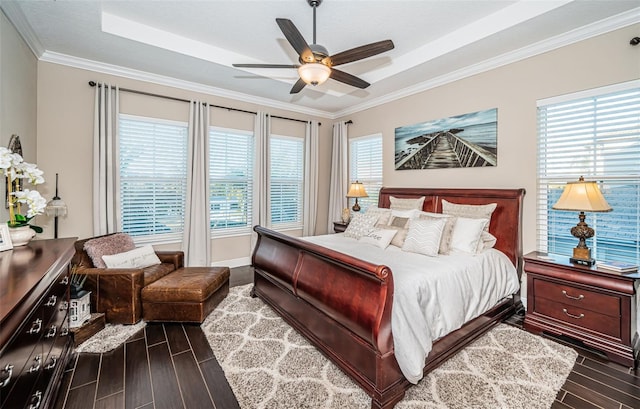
x=38 y=400
x=64 y=306
x=52 y=332
x=35 y=366
x=51 y=301
x=580 y=297
x=54 y=361
x=571 y=315
x=9 y=370
x=64 y=332
x=65 y=280
x=36 y=326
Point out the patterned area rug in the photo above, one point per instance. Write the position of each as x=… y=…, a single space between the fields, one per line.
x=269 y=365
x=109 y=338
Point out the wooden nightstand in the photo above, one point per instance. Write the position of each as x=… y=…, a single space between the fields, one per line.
x=339 y=227
x=589 y=304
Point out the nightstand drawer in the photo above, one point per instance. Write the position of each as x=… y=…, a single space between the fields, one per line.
x=581 y=317
x=577 y=298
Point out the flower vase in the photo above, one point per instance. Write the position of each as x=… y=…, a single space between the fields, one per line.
x=20 y=236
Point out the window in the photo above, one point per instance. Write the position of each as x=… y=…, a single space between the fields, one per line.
x=231 y=180
x=153 y=177
x=595 y=135
x=365 y=166
x=286 y=181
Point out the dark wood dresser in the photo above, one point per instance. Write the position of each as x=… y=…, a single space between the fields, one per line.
x=35 y=343
x=595 y=306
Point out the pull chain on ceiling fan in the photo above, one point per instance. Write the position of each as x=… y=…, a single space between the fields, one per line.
x=316 y=65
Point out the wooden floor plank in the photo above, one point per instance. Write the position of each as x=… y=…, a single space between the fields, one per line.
x=604 y=389
x=111 y=377
x=218 y=385
x=590 y=395
x=115 y=401
x=199 y=344
x=177 y=339
x=155 y=334
x=82 y=397
x=614 y=370
x=86 y=370
x=577 y=402
x=63 y=391
x=166 y=393
x=137 y=377
x=192 y=385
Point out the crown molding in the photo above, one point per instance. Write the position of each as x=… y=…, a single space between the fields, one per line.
x=583 y=33
x=17 y=18
x=90 y=65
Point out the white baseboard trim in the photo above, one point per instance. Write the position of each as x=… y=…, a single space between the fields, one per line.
x=235 y=262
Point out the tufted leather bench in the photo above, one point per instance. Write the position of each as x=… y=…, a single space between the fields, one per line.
x=188 y=294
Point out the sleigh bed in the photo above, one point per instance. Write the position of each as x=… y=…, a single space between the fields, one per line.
x=343 y=304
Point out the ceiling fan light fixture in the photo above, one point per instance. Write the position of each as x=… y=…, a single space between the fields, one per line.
x=314 y=73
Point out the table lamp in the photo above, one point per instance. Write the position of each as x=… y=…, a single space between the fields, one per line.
x=582 y=196
x=356 y=190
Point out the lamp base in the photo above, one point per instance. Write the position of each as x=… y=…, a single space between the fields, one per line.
x=582 y=262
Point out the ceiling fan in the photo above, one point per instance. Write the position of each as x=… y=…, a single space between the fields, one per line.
x=316 y=65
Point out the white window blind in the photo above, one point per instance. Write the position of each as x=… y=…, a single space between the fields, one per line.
x=286 y=181
x=153 y=177
x=365 y=166
x=596 y=136
x=231 y=179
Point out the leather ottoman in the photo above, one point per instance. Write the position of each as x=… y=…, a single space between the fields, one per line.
x=188 y=294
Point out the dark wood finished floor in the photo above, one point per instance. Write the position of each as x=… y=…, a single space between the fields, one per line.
x=172 y=366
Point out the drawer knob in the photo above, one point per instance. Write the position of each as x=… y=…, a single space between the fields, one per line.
x=64 y=306
x=64 y=332
x=36 y=366
x=568 y=314
x=36 y=400
x=52 y=301
x=65 y=280
x=54 y=361
x=9 y=370
x=36 y=326
x=580 y=297
x=51 y=332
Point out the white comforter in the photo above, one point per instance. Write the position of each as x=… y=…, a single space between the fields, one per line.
x=433 y=296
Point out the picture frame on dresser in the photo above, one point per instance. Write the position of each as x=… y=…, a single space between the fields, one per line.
x=5 y=238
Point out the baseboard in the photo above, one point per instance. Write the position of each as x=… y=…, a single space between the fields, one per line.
x=235 y=262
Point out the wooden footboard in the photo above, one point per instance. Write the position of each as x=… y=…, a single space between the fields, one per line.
x=343 y=304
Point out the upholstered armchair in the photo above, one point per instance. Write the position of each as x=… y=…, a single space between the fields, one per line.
x=116 y=291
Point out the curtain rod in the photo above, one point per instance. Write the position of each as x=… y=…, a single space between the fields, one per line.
x=150 y=94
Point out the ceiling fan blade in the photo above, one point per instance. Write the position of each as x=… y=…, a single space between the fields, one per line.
x=361 y=52
x=348 y=78
x=297 y=87
x=296 y=39
x=266 y=65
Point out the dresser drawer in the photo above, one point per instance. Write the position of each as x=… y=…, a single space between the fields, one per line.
x=581 y=317
x=577 y=297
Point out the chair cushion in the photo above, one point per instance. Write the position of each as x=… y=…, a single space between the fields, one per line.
x=107 y=245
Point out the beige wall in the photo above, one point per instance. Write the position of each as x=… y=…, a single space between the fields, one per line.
x=65 y=120
x=514 y=90
x=17 y=94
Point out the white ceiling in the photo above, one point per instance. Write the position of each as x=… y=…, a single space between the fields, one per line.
x=192 y=44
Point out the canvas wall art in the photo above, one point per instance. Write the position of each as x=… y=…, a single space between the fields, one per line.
x=462 y=141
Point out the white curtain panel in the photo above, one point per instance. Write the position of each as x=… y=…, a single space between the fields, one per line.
x=311 y=179
x=339 y=181
x=261 y=131
x=196 y=242
x=106 y=206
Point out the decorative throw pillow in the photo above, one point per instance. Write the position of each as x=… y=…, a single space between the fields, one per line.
x=107 y=245
x=447 y=232
x=360 y=225
x=467 y=235
x=409 y=214
x=424 y=236
x=406 y=204
x=140 y=257
x=379 y=237
x=396 y=221
x=487 y=241
x=383 y=214
x=401 y=234
x=469 y=211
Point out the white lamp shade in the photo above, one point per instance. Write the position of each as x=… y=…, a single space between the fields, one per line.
x=357 y=190
x=56 y=207
x=314 y=73
x=583 y=197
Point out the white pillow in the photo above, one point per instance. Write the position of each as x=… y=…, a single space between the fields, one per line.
x=487 y=241
x=409 y=214
x=406 y=204
x=469 y=211
x=467 y=235
x=447 y=232
x=424 y=236
x=383 y=213
x=379 y=237
x=140 y=257
x=360 y=225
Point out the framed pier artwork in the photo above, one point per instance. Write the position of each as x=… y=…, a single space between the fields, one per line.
x=462 y=141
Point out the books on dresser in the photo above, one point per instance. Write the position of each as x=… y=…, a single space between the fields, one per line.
x=619 y=266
